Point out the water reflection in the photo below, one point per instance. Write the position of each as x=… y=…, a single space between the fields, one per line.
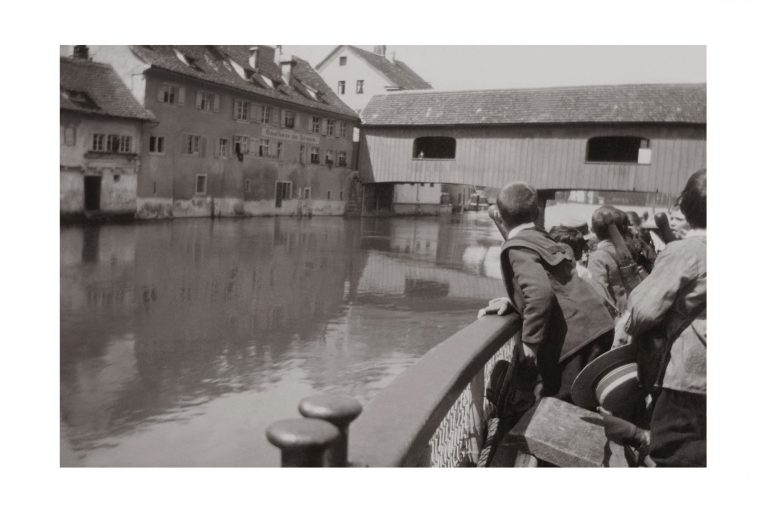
x=181 y=341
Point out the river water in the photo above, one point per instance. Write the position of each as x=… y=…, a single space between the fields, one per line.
x=181 y=341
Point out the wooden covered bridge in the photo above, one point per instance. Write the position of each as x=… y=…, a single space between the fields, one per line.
x=640 y=138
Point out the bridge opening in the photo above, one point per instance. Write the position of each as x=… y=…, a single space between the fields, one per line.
x=443 y=148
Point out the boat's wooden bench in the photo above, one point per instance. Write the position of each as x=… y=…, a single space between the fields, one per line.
x=559 y=434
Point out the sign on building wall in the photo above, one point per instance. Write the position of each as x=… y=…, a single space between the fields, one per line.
x=274 y=133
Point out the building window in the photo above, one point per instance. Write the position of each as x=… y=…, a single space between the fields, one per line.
x=341 y=195
x=359 y=87
x=329 y=157
x=126 y=144
x=240 y=144
x=266 y=113
x=222 y=148
x=156 y=145
x=192 y=144
x=618 y=149
x=329 y=195
x=113 y=143
x=279 y=150
x=341 y=87
x=343 y=130
x=315 y=124
x=341 y=158
x=264 y=147
x=301 y=154
x=207 y=101
x=170 y=94
x=98 y=142
x=314 y=155
x=329 y=127
x=289 y=119
x=247 y=185
x=201 y=184
x=69 y=136
x=307 y=193
x=283 y=190
x=241 y=110
x=342 y=61
x=434 y=147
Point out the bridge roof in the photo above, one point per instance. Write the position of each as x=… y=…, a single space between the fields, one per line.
x=634 y=103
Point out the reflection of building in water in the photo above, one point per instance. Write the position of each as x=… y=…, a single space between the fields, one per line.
x=419 y=240
x=210 y=307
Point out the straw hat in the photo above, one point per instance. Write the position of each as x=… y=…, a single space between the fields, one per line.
x=609 y=381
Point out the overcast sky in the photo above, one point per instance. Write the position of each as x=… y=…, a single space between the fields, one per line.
x=497 y=67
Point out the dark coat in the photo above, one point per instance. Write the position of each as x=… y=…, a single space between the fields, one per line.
x=561 y=312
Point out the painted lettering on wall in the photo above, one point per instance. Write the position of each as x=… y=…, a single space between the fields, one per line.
x=273 y=133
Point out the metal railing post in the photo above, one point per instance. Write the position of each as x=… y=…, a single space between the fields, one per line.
x=339 y=410
x=303 y=442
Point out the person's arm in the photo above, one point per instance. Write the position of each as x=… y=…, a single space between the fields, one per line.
x=493 y=213
x=598 y=267
x=537 y=295
x=650 y=300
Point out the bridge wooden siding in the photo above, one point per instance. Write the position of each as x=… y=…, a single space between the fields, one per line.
x=547 y=156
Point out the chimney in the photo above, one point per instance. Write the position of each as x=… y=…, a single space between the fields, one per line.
x=80 y=52
x=253 y=59
x=278 y=54
x=286 y=68
x=380 y=50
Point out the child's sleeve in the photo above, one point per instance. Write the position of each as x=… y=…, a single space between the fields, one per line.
x=537 y=294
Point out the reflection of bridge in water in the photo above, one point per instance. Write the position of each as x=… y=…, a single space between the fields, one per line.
x=385 y=274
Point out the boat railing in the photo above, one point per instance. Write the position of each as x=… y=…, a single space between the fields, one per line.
x=434 y=414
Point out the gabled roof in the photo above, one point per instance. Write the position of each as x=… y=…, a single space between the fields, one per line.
x=95 y=88
x=397 y=72
x=639 y=103
x=213 y=63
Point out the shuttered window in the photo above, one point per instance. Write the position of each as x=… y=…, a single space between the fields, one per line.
x=207 y=101
x=241 y=110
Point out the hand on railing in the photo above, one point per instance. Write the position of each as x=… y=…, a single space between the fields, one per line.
x=500 y=305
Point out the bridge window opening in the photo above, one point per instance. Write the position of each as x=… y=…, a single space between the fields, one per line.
x=615 y=149
x=434 y=147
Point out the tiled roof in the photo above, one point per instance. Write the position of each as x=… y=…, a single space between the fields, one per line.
x=397 y=72
x=212 y=64
x=95 y=88
x=644 y=103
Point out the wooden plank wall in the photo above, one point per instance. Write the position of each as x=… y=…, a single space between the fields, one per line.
x=548 y=157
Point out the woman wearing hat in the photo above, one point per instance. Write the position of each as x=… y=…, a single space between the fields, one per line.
x=674 y=297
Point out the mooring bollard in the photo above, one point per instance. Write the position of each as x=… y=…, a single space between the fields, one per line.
x=337 y=409
x=303 y=442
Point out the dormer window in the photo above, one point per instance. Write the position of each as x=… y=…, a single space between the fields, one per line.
x=238 y=69
x=181 y=57
x=270 y=83
x=81 y=99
